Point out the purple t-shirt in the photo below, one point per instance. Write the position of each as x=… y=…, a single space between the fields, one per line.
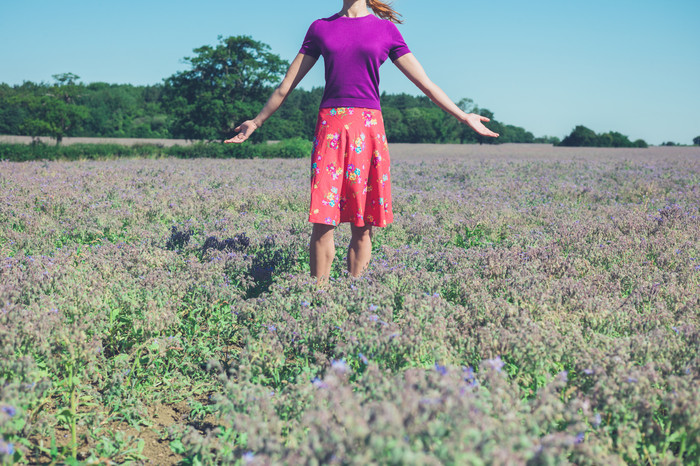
x=353 y=49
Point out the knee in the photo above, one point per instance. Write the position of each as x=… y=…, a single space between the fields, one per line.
x=362 y=235
x=322 y=234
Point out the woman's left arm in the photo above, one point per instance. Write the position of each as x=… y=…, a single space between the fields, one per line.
x=409 y=65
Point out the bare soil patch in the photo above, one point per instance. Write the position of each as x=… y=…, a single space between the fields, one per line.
x=156 y=447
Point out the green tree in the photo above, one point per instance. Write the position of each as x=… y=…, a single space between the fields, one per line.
x=547 y=140
x=225 y=85
x=696 y=141
x=515 y=134
x=12 y=114
x=422 y=124
x=580 y=137
x=54 y=113
x=614 y=139
x=396 y=129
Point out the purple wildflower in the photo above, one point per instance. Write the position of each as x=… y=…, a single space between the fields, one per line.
x=6 y=448
x=305 y=304
x=442 y=370
x=631 y=380
x=339 y=365
x=373 y=308
x=580 y=437
x=597 y=420
x=470 y=376
x=588 y=371
x=363 y=359
x=248 y=456
x=9 y=410
x=496 y=363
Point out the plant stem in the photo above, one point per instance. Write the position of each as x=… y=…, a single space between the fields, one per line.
x=73 y=409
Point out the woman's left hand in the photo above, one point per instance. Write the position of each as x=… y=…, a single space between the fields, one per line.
x=475 y=122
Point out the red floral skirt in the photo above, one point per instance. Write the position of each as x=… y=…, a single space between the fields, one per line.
x=350 y=179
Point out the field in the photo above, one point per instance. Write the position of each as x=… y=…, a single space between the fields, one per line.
x=529 y=304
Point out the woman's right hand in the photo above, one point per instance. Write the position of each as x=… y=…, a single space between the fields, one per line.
x=244 y=130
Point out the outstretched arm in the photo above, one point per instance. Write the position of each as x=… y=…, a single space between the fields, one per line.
x=296 y=72
x=409 y=65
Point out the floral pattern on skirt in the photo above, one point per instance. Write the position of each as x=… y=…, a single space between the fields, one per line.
x=350 y=179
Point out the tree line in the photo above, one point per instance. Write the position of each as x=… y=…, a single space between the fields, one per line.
x=585 y=137
x=224 y=85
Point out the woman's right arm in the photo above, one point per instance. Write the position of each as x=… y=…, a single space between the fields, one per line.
x=296 y=72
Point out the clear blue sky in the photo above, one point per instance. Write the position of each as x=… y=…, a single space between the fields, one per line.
x=620 y=65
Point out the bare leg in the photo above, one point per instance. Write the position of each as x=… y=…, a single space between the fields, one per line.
x=360 y=250
x=322 y=251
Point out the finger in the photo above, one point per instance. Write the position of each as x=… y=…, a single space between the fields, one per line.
x=483 y=118
x=240 y=137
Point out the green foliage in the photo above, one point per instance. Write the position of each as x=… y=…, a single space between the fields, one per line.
x=93 y=110
x=585 y=137
x=696 y=141
x=547 y=140
x=225 y=85
x=416 y=119
x=123 y=110
x=52 y=112
x=510 y=133
x=581 y=137
x=287 y=149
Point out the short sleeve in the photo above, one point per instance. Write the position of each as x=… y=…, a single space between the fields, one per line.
x=310 y=45
x=398 y=46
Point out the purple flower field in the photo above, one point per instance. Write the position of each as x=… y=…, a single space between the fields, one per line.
x=529 y=304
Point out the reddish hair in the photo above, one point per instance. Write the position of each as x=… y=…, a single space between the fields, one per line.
x=384 y=11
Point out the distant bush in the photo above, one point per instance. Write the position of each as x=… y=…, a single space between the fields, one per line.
x=547 y=140
x=585 y=137
x=287 y=149
x=696 y=141
x=290 y=148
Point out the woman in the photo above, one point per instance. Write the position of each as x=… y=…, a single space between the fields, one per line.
x=350 y=177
